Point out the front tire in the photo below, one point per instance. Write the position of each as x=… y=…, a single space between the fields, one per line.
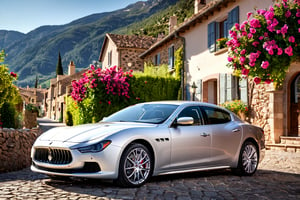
x=136 y=166
x=248 y=160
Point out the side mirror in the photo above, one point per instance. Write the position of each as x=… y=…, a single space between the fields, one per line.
x=183 y=121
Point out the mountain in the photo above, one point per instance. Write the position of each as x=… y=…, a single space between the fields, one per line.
x=36 y=52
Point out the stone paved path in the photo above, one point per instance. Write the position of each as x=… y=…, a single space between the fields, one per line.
x=278 y=177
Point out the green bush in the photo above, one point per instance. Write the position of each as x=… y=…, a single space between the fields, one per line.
x=9 y=114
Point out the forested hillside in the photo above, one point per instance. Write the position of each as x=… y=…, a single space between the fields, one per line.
x=36 y=53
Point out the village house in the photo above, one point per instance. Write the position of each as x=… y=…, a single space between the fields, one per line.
x=34 y=96
x=60 y=88
x=124 y=50
x=207 y=78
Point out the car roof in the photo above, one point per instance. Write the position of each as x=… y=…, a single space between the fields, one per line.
x=180 y=102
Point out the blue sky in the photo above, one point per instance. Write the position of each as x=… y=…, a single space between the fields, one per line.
x=26 y=15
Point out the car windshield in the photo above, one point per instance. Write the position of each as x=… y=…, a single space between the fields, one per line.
x=143 y=113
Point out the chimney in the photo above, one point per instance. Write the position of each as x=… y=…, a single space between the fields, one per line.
x=172 y=23
x=199 y=4
x=72 y=68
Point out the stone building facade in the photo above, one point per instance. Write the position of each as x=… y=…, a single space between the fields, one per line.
x=60 y=88
x=123 y=51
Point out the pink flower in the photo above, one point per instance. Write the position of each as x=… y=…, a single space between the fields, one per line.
x=249 y=15
x=271 y=52
x=243 y=52
x=242 y=59
x=230 y=59
x=255 y=23
x=279 y=51
x=288 y=14
x=237 y=26
x=265 y=64
x=257 y=80
x=255 y=43
x=269 y=15
x=278 y=32
x=289 y=51
x=252 y=64
x=261 y=38
x=252 y=30
x=292 y=39
x=250 y=35
x=109 y=102
x=284 y=29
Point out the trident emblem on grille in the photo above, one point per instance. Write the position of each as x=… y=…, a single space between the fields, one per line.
x=50 y=157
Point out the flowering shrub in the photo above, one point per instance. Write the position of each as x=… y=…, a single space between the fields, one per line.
x=236 y=106
x=115 y=82
x=100 y=93
x=264 y=46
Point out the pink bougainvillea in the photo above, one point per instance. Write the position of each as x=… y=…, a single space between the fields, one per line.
x=115 y=82
x=264 y=46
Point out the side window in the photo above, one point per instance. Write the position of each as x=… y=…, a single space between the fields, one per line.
x=215 y=115
x=194 y=112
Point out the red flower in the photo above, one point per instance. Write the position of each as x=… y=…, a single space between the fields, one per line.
x=13 y=74
x=145 y=82
x=109 y=102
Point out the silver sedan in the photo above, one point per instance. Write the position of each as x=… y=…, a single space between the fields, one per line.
x=151 y=139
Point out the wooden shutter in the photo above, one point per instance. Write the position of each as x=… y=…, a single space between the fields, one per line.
x=211 y=36
x=222 y=92
x=233 y=17
x=199 y=89
x=243 y=85
x=188 y=93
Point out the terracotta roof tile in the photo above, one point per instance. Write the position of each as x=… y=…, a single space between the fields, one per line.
x=132 y=41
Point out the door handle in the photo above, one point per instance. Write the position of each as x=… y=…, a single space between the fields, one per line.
x=204 y=134
x=235 y=130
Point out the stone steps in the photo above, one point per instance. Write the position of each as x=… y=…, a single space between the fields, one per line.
x=288 y=144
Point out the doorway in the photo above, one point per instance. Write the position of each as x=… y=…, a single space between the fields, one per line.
x=295 y=107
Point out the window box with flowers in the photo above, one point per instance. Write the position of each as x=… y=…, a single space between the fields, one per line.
x=221 y=43
x=237 y=107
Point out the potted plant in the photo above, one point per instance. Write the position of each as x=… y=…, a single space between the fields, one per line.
x=238 y=107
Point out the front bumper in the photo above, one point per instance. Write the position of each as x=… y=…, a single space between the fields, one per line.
x=104 y=164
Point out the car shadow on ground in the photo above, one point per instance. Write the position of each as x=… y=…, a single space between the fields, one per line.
x=263 y=183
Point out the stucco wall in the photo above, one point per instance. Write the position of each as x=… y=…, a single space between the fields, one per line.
x=15 y=147
x=200 y=63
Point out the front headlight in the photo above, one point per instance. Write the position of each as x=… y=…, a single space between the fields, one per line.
x=94 y=148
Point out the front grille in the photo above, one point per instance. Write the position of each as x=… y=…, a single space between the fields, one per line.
x=53 y=156
x=89 y=167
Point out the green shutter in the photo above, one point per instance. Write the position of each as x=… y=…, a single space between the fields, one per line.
x=243 y=85
x=211 y=37
x=223 y=83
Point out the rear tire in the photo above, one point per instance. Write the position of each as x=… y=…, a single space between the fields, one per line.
x=136 y=166
x=248 y=160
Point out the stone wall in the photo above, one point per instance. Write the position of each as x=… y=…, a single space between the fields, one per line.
x=15 y=148
x=261 y=111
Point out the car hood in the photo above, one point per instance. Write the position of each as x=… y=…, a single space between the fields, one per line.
x=88 y=132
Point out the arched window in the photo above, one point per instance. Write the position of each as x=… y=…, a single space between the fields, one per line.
x=297 y=89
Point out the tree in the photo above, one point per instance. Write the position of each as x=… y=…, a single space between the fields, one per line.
x=59 y=68
x=7 y=90
x=264 y=46
x=36 y=81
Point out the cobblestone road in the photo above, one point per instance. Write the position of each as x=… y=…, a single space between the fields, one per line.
x=278 y=177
